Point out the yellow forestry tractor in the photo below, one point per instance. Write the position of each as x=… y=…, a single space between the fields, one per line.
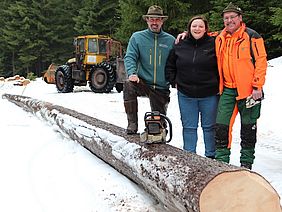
x=98 y=61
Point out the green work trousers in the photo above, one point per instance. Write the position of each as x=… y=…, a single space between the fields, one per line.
x=228 y=107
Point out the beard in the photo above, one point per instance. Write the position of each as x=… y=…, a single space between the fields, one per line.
x=155 y=28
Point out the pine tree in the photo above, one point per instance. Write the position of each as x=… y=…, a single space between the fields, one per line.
x=97 y=17
x=276 y=20
x=5 y=68
x=131 y=12
x=13 y=32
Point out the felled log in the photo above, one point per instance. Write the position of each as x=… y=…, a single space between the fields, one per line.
x=182 y=181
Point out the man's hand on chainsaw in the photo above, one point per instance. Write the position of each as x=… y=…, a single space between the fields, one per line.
x=133 y=78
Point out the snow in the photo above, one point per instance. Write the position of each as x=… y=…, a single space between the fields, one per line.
x=43 y=170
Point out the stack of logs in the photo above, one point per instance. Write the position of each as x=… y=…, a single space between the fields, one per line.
x=16 y=80
x=180 y=180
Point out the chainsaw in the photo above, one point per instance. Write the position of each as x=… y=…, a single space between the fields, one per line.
x=155 y=128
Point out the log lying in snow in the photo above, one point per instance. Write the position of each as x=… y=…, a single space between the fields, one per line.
x=182 y=181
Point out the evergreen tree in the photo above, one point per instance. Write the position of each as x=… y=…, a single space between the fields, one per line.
x=256 y=16
x=97 y=17
x=13 y=32
x=35 y=33
x=3 y=51
x=276 y=20
x=131 y=12
x=38 y=33
x=5 y=68
x=60 y=32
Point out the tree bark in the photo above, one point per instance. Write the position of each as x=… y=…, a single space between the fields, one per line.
x=182 y=181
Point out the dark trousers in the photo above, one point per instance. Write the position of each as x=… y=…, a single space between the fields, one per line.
x=158 y=98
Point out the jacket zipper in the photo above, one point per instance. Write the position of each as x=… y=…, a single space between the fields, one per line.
x=150 y=56
x=229 y=65
x=256 y=47
x=160 y=57
x=194 y=55
x=238 y=49
x=155 y=60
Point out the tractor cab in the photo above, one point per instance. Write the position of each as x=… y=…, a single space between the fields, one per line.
x=93 y=49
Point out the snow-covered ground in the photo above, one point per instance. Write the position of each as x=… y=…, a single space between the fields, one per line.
x=43 y=171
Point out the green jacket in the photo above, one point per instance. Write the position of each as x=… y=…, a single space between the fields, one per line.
x=146 y=56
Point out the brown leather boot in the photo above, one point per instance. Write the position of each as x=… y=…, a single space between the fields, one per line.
x=131 y=109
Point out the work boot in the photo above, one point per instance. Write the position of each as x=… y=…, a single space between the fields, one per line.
x=211 y=157
x=246 y=165
x=132 y=124
x=132 y=116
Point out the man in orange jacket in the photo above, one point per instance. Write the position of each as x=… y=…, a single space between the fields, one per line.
x=242 y=65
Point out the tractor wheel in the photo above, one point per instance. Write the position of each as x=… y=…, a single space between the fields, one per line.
x=63 y=79
x=102 y=78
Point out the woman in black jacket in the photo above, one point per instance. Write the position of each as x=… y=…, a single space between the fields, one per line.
x=192 y=68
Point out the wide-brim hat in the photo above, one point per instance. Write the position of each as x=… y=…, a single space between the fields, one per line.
x=155 y=12
x=232 y=8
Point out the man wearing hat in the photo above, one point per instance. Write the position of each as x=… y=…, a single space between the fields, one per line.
x=242 y=65
x=145 y=61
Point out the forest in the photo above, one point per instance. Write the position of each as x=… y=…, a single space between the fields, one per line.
x=36 y=33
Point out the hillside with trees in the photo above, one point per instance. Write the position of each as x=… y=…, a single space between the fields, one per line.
x=36 y=33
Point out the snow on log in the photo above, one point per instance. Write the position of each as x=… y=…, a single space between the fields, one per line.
x=182 y=181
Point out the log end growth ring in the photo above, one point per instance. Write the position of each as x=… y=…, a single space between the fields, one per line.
x=248 y=190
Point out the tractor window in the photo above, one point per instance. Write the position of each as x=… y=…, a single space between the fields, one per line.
x=80 y=45
x=103 y=46
x=92 y=46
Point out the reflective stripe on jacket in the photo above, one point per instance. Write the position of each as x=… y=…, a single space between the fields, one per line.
x=240 y=70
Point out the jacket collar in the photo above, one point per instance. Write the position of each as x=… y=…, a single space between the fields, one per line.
x=198 y=41
x=154 y=33
x=238 y=33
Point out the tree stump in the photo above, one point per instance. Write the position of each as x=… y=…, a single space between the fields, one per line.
x=182 y=181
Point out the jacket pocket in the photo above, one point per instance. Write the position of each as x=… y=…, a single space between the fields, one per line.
x=255 y=111
x=145 y=55
x=243 y=51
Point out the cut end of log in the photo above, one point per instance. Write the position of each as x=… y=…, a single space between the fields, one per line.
x=239 y=191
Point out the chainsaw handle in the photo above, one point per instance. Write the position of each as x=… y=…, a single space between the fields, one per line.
x=169 y=126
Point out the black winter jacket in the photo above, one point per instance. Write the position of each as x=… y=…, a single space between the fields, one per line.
x=192 y=66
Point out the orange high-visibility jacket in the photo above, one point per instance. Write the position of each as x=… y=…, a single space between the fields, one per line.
x=242 y=73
